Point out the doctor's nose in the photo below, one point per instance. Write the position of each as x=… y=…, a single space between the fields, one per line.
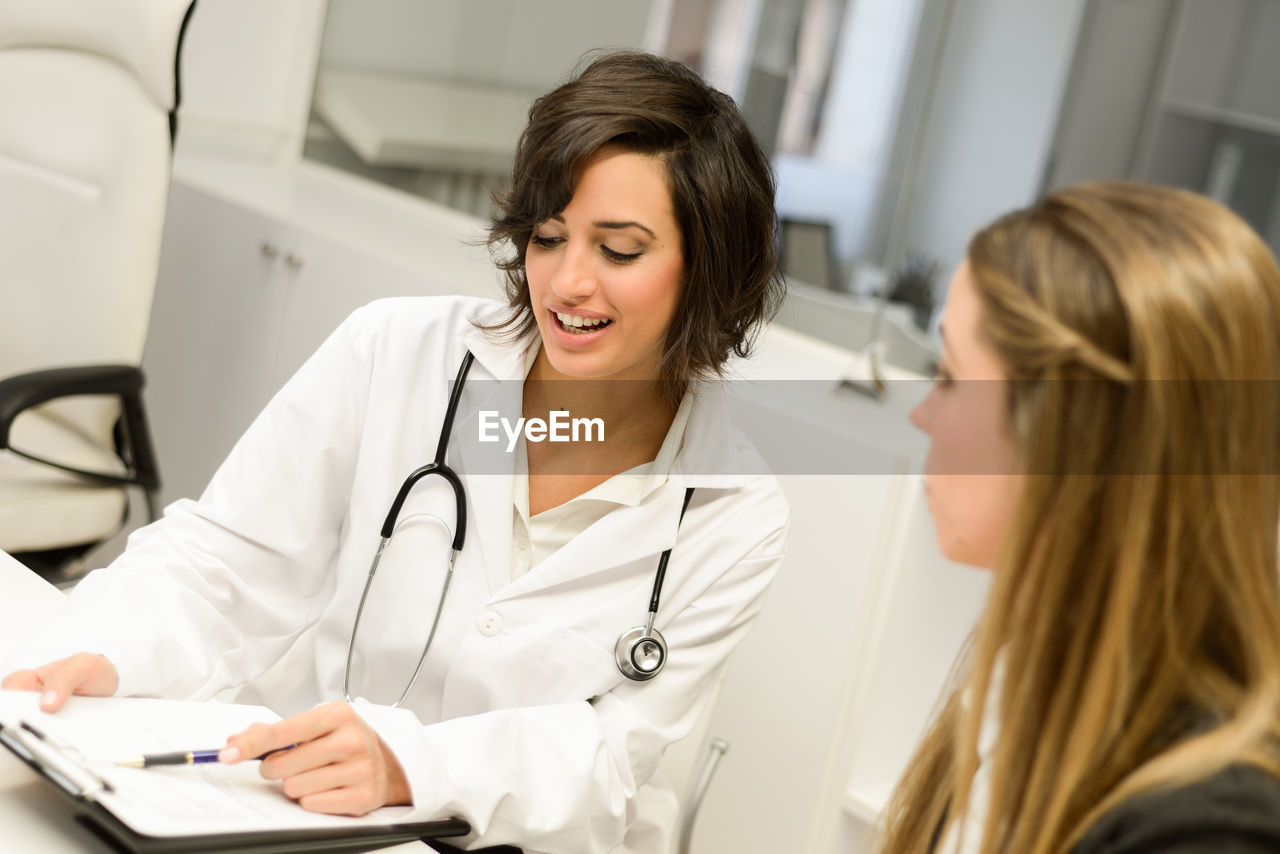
x=575 y=277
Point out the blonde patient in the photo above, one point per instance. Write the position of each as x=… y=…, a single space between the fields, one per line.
x=1105 y=435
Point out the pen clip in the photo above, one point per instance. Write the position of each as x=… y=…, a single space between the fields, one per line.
x=37 y=750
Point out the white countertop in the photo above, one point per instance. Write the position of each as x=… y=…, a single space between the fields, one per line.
x=422 y=122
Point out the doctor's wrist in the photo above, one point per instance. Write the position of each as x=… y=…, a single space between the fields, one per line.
x=398 y=791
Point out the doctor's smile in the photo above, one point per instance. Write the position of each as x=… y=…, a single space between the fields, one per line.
x=575 y=330
x=579 y=321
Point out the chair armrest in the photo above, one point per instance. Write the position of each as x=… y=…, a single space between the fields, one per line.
x=23 y=391
x=716 y=750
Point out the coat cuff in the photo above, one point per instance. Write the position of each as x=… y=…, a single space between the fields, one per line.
x=401 y=731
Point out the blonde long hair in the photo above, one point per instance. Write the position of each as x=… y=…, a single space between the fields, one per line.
x=1135 y=608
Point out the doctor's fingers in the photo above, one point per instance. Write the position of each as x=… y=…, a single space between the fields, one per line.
x=84 y=673
x=353 y=787
x=348 y=771
x=261 y=739
x=348 y=743
x=21 y=680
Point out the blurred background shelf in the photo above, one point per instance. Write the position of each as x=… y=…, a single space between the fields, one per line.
x=1223 y=116
x=1192 y=91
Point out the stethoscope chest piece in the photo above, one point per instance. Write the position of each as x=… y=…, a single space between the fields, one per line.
x=640 y=653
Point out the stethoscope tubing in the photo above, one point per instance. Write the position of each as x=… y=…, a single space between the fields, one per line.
x=636 y=641
x=437 y=467
x=661 y=574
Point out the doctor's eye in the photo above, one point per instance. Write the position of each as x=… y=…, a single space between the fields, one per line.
x=942 y=378
x=545 y=241
x=619 y=257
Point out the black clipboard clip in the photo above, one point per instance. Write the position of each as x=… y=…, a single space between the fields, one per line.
x=54 y=761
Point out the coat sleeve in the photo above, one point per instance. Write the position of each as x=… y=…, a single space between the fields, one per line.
x=567 y=777
x=212 y=594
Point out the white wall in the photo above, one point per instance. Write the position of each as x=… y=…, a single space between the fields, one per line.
x=1003 y=73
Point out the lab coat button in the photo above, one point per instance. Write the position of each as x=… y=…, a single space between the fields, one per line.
x=489 y=624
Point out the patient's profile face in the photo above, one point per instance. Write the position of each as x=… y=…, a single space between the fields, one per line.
x=970 y=471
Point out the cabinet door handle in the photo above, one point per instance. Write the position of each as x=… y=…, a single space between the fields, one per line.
x=294 y=260
x=269 y=249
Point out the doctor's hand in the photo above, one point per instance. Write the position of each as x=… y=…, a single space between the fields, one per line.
x=339 y=765
x=84 y=673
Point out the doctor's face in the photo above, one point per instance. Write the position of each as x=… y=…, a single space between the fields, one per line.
x=970 y=478
x=605 y=273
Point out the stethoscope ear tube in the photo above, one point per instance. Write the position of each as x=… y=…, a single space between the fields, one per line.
x=459 y=496
x=437 y=466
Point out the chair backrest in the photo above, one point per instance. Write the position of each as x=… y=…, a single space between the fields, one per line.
x=87 y=88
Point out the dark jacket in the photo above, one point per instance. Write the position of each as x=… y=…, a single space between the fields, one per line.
x=1235 y=812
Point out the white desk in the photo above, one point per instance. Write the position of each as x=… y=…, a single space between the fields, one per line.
x=32 y=816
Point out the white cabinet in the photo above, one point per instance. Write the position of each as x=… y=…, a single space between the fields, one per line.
x=827 y=697
x=258 y=266
x=217 y=306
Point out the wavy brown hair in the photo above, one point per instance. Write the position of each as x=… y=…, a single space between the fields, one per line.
x=1135 y=608
x=721 y=186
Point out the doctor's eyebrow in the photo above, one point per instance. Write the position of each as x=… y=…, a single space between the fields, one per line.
x=614 y=224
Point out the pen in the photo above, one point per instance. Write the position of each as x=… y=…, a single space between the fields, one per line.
x=183 y=757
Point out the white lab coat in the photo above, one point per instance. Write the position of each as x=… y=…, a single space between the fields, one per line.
x=520 y=722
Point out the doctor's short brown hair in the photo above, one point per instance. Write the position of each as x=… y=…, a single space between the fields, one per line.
x=722 y=193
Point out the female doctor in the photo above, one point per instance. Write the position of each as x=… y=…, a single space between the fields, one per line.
x=532 y=691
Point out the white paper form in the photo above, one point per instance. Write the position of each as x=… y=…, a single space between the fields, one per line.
x=180 y=800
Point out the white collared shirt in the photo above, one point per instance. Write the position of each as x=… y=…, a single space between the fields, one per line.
x=536 y=538
x=968 y=840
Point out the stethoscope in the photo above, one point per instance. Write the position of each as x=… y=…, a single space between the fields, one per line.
x=641 y=651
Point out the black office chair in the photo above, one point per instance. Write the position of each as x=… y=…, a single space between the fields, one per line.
x=88 y=93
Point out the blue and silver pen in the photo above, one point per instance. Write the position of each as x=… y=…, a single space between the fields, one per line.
x=183 y=757
x=180 y=757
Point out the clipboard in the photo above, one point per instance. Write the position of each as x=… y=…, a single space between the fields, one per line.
x=101 y=801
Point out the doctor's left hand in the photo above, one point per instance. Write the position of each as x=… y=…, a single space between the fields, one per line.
x=339 y=765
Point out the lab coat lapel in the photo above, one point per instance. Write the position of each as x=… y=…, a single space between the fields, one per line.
x=714 y=456
x=496 y=383
x=622 y=536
